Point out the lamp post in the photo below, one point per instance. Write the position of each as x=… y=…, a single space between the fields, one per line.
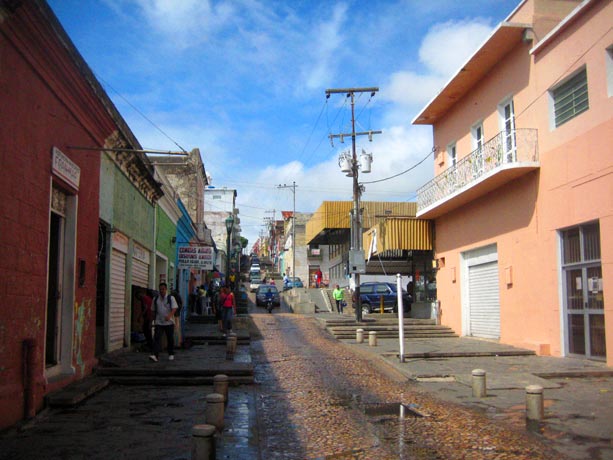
x=229 y=225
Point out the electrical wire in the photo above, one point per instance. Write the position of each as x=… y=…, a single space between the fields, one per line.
x=139 y=112
x=403 y=172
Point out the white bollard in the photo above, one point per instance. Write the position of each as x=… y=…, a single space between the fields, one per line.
x=220 y=386
x=203 y=442
x=534 y=402
x=372 y=338
x=359 y=336
x=479 y=383
x=214 y=414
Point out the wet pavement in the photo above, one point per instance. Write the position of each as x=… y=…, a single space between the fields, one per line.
x=315 y=397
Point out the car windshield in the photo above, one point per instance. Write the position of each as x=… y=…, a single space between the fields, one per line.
x=268 y=290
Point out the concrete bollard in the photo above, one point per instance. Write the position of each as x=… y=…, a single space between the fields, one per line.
x=230 y=346
x=479 y=383
x=214 y=413
x=220 y=386
x=203 y=442
x=372 y=338
x=534 y=402
x=359 y=336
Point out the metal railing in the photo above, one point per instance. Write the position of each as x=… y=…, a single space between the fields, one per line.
x=506 y=148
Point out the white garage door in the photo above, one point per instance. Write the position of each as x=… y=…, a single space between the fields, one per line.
x=140 y=273
x=484 y=300
x=117 y=301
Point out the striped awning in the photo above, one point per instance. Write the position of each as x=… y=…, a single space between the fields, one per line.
x=398 y=233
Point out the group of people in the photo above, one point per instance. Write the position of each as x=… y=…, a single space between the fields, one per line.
x=157 y=313
x=159 y=310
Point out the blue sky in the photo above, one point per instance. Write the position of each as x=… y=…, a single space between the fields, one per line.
x=244 y=81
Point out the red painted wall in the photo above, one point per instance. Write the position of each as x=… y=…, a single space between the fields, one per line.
x=46 y=102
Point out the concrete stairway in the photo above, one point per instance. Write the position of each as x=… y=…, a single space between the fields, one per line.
x=345 y=328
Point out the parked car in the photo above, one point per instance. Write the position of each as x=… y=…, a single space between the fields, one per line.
x=255 y=283
x=370 y=296
x=264 y=291
x=292 y=282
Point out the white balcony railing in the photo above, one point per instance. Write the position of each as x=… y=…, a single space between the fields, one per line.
x=506 y=149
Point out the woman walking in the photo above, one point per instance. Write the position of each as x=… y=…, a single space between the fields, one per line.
x=228 y=310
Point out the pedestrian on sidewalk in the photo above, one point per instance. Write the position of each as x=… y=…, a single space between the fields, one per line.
x=146 y=316
x=228 y=311
x=339 y=296
x=164 y=308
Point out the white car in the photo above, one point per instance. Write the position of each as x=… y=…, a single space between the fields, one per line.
x=254 y=284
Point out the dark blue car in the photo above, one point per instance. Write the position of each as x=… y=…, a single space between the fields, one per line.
x=371 y=293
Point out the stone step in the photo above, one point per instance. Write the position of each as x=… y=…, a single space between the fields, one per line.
x=179 y=380
x=394 y=335
x=76 y=392
x=377 y=327
x=232 y=369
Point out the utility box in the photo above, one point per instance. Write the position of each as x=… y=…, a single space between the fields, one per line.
x=357 y=263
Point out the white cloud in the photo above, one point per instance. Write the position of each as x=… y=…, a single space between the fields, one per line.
x=448 y=45
x=443 y=50
x=184 y=23
x=321 y=46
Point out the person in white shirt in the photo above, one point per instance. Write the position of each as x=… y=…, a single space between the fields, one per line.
x=164 y=308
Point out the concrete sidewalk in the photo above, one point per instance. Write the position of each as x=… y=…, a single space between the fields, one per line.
x=578 y=393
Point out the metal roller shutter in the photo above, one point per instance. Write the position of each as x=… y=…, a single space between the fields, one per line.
x=140 y=273
x=484 y=300
x=117 y=300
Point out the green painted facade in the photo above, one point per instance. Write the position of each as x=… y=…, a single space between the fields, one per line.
x=123 y=206
x=166 y=232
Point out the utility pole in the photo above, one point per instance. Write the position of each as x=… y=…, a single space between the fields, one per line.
x=293 y=187
x=355 y=266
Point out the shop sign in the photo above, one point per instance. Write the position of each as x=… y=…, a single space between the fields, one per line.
x=198 y=257
x=141 y=254
x=65 y=168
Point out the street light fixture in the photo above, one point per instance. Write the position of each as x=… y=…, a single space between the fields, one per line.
x=229 y=225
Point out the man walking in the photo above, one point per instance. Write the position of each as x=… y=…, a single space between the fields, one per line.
x=339 y=297
x=164 y=308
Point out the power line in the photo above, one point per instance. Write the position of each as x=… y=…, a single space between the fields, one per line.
x=139 y=112
x=403 y=172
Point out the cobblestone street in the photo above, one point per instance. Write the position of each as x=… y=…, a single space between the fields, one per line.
x=318 y=399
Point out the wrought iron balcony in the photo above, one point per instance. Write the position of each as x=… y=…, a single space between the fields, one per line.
x=503 y=158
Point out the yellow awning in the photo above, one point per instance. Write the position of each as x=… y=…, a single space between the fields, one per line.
x=398 y=234
x=336 y=215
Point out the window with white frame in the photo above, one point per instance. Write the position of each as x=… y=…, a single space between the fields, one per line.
x=570 y=98
x=506 y=113
x=452 y=156
x=477 y=136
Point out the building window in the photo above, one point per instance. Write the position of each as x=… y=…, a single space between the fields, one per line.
x=570 y=98
x=452 y=155
x=506 y=113
x=477 y=136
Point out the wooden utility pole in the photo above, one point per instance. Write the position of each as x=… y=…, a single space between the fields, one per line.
x=356 y=220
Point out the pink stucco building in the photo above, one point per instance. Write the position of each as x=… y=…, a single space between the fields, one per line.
x=522 y=197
